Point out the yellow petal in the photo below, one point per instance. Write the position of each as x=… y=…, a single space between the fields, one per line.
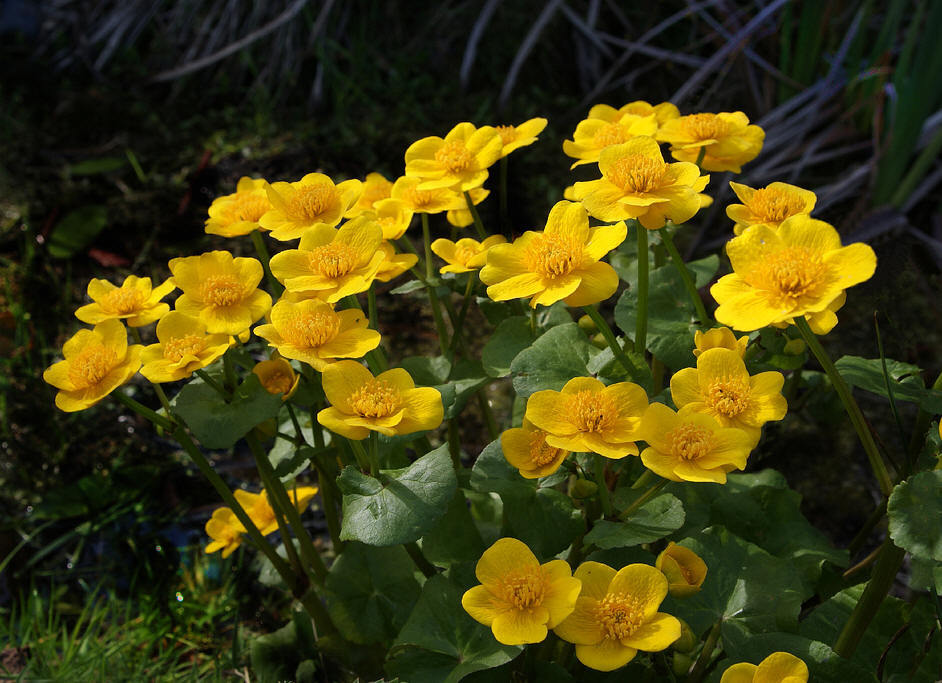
x=482 y=605
x=781 y=666
x=739 y=673
x=506 y=556
x=655 y=634
x=548 y=410
x=598 y=281
x=607 y=655
x=519 y=627
x=582 y=627
x=644 y=583
x=562 y=591
x=340 y=380
x=336 y=421
x=568 y=220
x=422 y=410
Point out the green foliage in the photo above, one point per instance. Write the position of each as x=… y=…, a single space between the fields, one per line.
x=915 y=511
x=278 y=656
x=397 y=506
x=906 y=383
x=510 y=338
x=651 y=522
x=552 y=360
x=456 y=383
x=455 y=538
x=440 y=643
x=77 y=230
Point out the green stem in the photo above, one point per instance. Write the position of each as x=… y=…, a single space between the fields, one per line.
x=430 y=288
x=230 y=373
x=262 y=251
x=488 y=414
x=703 y=661
x=685 y=275
x=613 y=344
x=205 y=376
x=858 y=541
x=462 y=315
x=604 y=495
x=642 y=499
x=454 y=444
x=850 y=405
x=371 y=305
x=145 y=412
x=881 y=580
x=700 y=157
x=329 y=498
x=299 y=435
x=374 y=453
x=534 y=328
x=426 y=567
x=363 y=460
x=641 y=321
x=479 y=226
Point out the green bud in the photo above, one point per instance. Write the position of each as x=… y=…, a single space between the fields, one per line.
x=587 y=325
x=583 y=488
x=794 y=347
x=682 y=663
x=688 y=640
x=598 y=341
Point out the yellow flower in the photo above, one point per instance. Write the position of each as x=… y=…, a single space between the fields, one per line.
x=588 y=417
x=334 y=263
x=225 y=530
x=134 y=301
x=375 y=188
x=260 y=511
x=312 y=332
x=390 y=403
x=220 y=290
x=637 y=183
x=778 y=667
x=663 y=112
x=97 y=362
x=719 y=338
x=183 y=347
x=616 y=615
x=798 y=269
x=684 y=569
x=605 y=127
x=459 y=161
x=433 y=200
x=519 y=598
x=303 y=204
x=560 y=263
x=392 y=215
x=462 y=218
x=769 y=205
x=277 y=376
x=729 y=139
x=393 y=264
x=466 y=254
x=691 y=446
x=515 y=137
x=721 y=386
x=526 y=449
x=239 y=213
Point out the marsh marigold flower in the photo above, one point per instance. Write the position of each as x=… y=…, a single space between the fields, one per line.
x=226 y=531
x=220 y=290
x=515 y=137
x=605 y=127
x=135 y=301
x=519 y=599
x=303 y=204
x=239 y=213
x=637 y=183
x=616 y=615
x=392 y=215
x=375 y=188
x=458 y=161
x=333 y=263
x=778 y=667
x=691 y=446
x=389 y=403
x=312 y=332
x=394 y=264
x=434 y=200
x=260 y=511
x=769 y=205
x=466 y=254
x=462 y=218
x=800 y=269
x=526 y=449
x=721 y=386
x=684 y=569
x=182 y=347
x=719 y=338
x=96 y=362
x=277 y=376
x=728 y=138
x=587 y=416
x=559 y=264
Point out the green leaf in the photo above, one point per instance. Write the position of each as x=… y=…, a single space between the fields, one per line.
x=77 y=230
x=651 y=522
x=608 y=369
x=455 y=538
x=906 y=382
x=440 y=643
x=370 y=592
x=915 y=515
x=427 y=371
x=743 y=584
x=218 y=424
x=276 y=656
x=289 y=461
x=400 y=505
x=455 y=383
x=510 y=338
x=408 y=287
x=552 y=360
x=96 y=166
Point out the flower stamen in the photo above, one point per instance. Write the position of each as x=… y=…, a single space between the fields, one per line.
x=376 y=398
x=333 y=260
x=552 y=256
x=637 y=173
x=308 y=202
x=221 y=291
x=91 y=365
x=592 y=411
x=311 y=329
x=454 y=156
x=178 y=347
x=728 y=397
x=122 y=301
x=620 y=615
x=690 y=442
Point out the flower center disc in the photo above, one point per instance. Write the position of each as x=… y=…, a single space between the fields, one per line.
x=454 y=156
x=620 y=615
x=333 y=260
x=791 y=273
x=775 y=206
x=221 y=290
x=541 y=453
x=310 y=201
x=507 y=133
x=247 y=207
x=728 y=397
x=122 y=301
x=464 y=254
x=592 y=411
x=311 y=329
x=91 y=365
x=552 y=256
x=178 y=347
x=637 y=173
x=525 y=589
x=705 y=126
x=278 y=382
x=376 y=398
x=689 y=442
x=610 y=134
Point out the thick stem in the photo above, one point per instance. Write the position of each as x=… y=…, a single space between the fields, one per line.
x=462 y=315
x=689 y=284
x=604 y=496
x=329 y=499
x=454 y=444
x=489 y=421
x=703 y=661
x=850 y=405
x=881 y=580
x=479 y=226
x=363 y=460
x=144 y=411
x=641 y=321
x=426 y=567
x=700 y=157
x=642 y=499
x=220 y=389
x=430 y=288
x=262 y=251
x=606 y=331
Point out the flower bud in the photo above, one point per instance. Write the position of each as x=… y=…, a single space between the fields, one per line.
x=688 y=640
x=681 y=663
x=598 y=341
x=583 y=488
x=587 y=325
x=684 y=569
x=794 y=347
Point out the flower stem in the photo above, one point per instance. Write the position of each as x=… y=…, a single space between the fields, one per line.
x=363 y=460
x=887 y=564
x=533 y=324
x=462 y=315
x=262 y=251
x=641 y=321
x=421 y=562
x=850 y=405
x=703 y=661
x=642 y=499
x=145 y=412
x=329 y=500
x=430 y=287
x=685 y=275
x=606 y=331
x=479 y=226
x=700 y=157
x=489 y=420
x=604 y=496
x=220 y=389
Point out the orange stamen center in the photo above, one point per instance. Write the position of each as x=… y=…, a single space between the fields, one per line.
x=553 y=255
x=122 y=301
x=454 y=156
x=728 y=397
x=541 y=453
x=278 y=382
x=376 y=398
x=523 y=588
x=91 y=365
x=333 y=260
x=221 y=290
x=246 y=207
x=774 y=205
x=592 y=411
x=310 y=329
x=464 y=253
x=637 y=173
x=789 y=274
x=705 y=127
x=178 y=347
x=309 y=202
x=690 y=442
x=620 y=615
x=610 y=134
